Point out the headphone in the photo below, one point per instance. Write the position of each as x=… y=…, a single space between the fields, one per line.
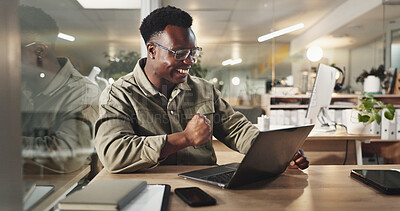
x=339 y=86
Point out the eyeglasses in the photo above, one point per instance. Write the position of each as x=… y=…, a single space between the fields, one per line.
x=183 y=53
x=34 y=43
x=29 y=44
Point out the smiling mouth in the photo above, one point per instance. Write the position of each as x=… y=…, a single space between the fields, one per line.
x=183 y=71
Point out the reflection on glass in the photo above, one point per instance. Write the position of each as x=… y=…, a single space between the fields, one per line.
x=59 y=105
x=395 y=47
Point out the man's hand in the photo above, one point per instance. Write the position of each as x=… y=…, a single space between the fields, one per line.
x=299 y=160
x=198 y=130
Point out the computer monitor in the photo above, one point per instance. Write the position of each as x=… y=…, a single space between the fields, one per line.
x=321 y=94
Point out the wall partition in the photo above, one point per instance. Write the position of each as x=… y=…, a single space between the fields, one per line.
x=10 y=150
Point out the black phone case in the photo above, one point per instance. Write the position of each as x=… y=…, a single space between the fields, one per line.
x=209 y=200
x=386 y=190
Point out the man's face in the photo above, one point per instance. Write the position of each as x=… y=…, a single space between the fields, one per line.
x=32 y=74
x=168 y=70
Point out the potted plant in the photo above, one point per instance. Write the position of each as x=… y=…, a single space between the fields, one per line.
x=198 y=70
x=368 y=111
x=374 y=80
x=120 y=64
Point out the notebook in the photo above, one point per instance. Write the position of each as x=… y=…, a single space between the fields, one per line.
x=103 y=195
x=29 y=187
x=153 y=197
x=36 y=195
x=269 y=156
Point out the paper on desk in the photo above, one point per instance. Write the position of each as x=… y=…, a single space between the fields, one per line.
x=39 y=193
x=149 y=199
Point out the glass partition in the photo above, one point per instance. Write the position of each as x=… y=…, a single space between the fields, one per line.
x=395 y=49
x=69 y=54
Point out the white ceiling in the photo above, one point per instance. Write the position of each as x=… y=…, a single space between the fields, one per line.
x=224 y=28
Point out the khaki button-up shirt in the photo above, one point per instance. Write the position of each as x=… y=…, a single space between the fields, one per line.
x=135 y=119
x=57 y=124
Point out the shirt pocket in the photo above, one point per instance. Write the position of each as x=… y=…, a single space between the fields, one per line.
x=204 y=108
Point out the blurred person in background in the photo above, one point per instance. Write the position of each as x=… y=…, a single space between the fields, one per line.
x=59 y=105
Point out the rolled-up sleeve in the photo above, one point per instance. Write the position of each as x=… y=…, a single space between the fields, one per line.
x=232 y=128
x=120 y=148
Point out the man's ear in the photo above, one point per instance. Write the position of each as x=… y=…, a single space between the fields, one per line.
x=40 y=52
x=41 y=49
x=151 y=50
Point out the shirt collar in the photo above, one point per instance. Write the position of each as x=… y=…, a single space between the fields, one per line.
x=61 y=77
x=145 y=85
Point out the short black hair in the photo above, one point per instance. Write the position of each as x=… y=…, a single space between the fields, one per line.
x=34 y=21
x=157 y=20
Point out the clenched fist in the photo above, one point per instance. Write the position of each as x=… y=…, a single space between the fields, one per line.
x=299 y=160
x=198 y=130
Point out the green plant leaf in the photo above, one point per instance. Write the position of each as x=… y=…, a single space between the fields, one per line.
x=369 y=104
x=369 y=109
x=391 y=108
x=363 y=118
x=389 y=111
x=389 y=115
x=198 y=70
x=378 y=118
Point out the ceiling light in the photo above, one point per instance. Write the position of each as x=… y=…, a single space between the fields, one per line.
x=236 y=61
x=314 y=53
x=232 y=61
x=235 y=81
x=66 y=37
x=107 y=4
x=281 y=32
x=227 y=62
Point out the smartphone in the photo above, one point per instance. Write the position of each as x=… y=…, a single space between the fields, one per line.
x=195 y=197
x=386 y=181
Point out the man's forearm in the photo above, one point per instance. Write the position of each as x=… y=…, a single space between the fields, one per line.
x=174 y=143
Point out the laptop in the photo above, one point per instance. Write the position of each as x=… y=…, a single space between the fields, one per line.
x=268 y=156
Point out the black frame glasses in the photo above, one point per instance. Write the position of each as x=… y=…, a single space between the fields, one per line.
x=183 y=53
x=29 y=44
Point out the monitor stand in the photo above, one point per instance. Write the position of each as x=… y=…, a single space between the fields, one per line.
x=324 y=129
x=326 y=123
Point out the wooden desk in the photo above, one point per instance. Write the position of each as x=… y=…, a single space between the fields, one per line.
x=317 y=188
x=63 y=184
x=340 y=134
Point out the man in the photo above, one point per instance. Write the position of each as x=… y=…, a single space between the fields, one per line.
x=59 y=106
x=160 y=114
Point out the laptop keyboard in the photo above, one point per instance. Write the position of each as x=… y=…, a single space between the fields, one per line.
x=221 y=178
